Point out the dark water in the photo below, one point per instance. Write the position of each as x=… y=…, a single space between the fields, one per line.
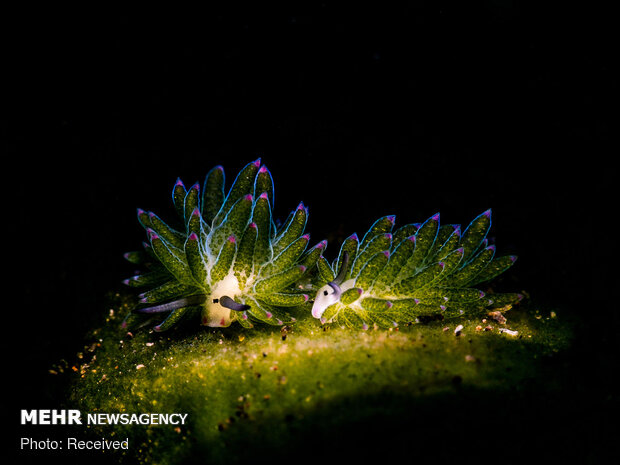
x=359 y=112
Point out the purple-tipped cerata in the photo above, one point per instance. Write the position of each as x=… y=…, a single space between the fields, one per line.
x=229 y=259
x=225 y=260
x=433 y=272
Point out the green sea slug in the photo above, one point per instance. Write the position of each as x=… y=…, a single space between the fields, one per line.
x=226 y=260
x=418 y=271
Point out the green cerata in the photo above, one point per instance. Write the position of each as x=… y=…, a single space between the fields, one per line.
x=227 y=260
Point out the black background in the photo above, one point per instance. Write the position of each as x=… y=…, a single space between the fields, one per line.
x=359 y=111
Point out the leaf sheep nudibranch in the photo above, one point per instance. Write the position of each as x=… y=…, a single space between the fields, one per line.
x=419 y=270
x=227 y=261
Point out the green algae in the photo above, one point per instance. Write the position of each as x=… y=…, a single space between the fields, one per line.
x=268 y=391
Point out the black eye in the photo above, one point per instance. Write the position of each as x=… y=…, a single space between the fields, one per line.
x=325 y=293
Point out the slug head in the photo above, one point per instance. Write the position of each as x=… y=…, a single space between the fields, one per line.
x=326 y=296
x=331 y=292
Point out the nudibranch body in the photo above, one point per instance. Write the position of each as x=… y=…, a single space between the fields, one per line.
x=227 y=261
x=419 y=270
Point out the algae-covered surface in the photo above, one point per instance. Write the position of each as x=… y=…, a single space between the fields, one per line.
x=308 y=391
